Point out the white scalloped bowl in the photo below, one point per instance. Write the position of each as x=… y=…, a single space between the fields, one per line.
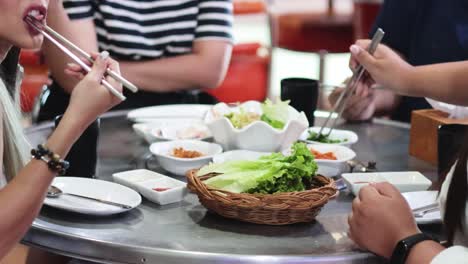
x=258 y=135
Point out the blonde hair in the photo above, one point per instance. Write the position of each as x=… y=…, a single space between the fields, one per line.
x=15 y=145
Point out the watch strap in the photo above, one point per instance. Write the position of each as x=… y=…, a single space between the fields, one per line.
x=404 y=246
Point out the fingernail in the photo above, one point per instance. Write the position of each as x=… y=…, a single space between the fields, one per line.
x=355 y=49
x=104 y=55
x=70 y=64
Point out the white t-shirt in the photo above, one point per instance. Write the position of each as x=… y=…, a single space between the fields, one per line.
x=3 y=180
x=459 y=252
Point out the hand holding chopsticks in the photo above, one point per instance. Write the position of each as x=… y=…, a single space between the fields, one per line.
x=351 y=85
x=48 y=32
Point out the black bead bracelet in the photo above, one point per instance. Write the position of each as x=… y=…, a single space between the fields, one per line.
x=53 y=160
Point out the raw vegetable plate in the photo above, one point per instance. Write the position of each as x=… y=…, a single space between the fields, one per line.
x=256 y=126
x=274 y=189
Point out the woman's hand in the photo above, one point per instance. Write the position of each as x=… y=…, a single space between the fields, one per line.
x=385 y=67
x=89 y=98
x=380 y=218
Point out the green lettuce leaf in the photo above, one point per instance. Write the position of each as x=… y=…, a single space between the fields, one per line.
x=269 y=174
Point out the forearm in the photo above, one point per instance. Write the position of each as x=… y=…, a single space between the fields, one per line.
x=445 y=82
x=26 y=192
x=80 y=32
x=424 y=252
x=200 y=69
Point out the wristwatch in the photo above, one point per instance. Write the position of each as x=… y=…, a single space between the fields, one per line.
x=402 y=249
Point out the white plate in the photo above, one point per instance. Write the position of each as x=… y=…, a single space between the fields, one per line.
x=350 y=136
x=93 y=188
x=144 y=181
x=172 y=129
x=418 y=199
x=404 y=181
x=238 y=155
x=197 y=111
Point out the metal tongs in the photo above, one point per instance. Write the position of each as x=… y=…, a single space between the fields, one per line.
x=351 y=85
x=47 y=32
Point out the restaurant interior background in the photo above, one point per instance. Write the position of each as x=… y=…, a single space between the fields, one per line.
x=274 y=39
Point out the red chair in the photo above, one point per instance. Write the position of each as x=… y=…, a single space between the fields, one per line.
x=247 y=75
x=321 y=32
x=242 y=7
x=365 y=13
x=35 y=77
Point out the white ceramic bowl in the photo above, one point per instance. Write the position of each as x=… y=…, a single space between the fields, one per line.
x=172 y=129
x=350 y=136
x=404 y=181
x=257 y=136
x=330 y=168
x=179 y=166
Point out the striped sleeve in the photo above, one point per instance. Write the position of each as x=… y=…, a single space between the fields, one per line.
x=79 y=9
x=214 y=20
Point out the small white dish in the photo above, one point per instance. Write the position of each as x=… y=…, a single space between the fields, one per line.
x=179 y=166
x=92 y=188
x=153 y=190
x=197 y=111
x=131 y=178
x=423 y=198
x=172 y=129
x=144 y=182
x=404 y=181
x=256 y=136
x=238 y=155
x=349 y=136
x=330 y=168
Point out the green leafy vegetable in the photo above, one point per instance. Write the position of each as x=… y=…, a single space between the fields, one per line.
x=323 y=138
x=276 y=115
x=243 y=118
x=269 y=174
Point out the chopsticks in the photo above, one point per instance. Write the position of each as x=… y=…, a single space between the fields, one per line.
x=351 y=85
x=45 y=30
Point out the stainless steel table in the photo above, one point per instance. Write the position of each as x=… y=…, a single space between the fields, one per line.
x=186 y=233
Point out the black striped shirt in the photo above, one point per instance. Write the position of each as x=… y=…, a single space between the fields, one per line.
x=149 y=29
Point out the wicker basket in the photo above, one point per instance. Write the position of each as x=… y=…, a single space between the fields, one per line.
x=270 y=209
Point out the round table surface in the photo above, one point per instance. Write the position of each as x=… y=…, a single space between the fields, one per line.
x=186 y=232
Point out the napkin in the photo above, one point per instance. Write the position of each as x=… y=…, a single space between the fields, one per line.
x=454 y=111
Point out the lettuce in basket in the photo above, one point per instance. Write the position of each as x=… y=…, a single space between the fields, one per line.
x=276 y=115
x=269 y=174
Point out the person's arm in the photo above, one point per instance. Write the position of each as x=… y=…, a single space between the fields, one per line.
x=80 y=31
x=22 y=197
x=445 y=82
x=205 y=67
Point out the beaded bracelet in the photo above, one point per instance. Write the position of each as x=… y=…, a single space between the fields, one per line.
x=53 y=160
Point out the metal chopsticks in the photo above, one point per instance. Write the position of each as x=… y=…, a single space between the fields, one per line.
x=45 y=30
x=351 y=85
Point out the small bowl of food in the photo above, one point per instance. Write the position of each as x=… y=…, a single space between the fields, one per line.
x=337 y=137
x=256 y=126
x=172 y=129
x=331 y=159
x=180 y=156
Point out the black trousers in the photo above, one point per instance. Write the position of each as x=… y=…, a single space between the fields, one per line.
x=55 y=100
